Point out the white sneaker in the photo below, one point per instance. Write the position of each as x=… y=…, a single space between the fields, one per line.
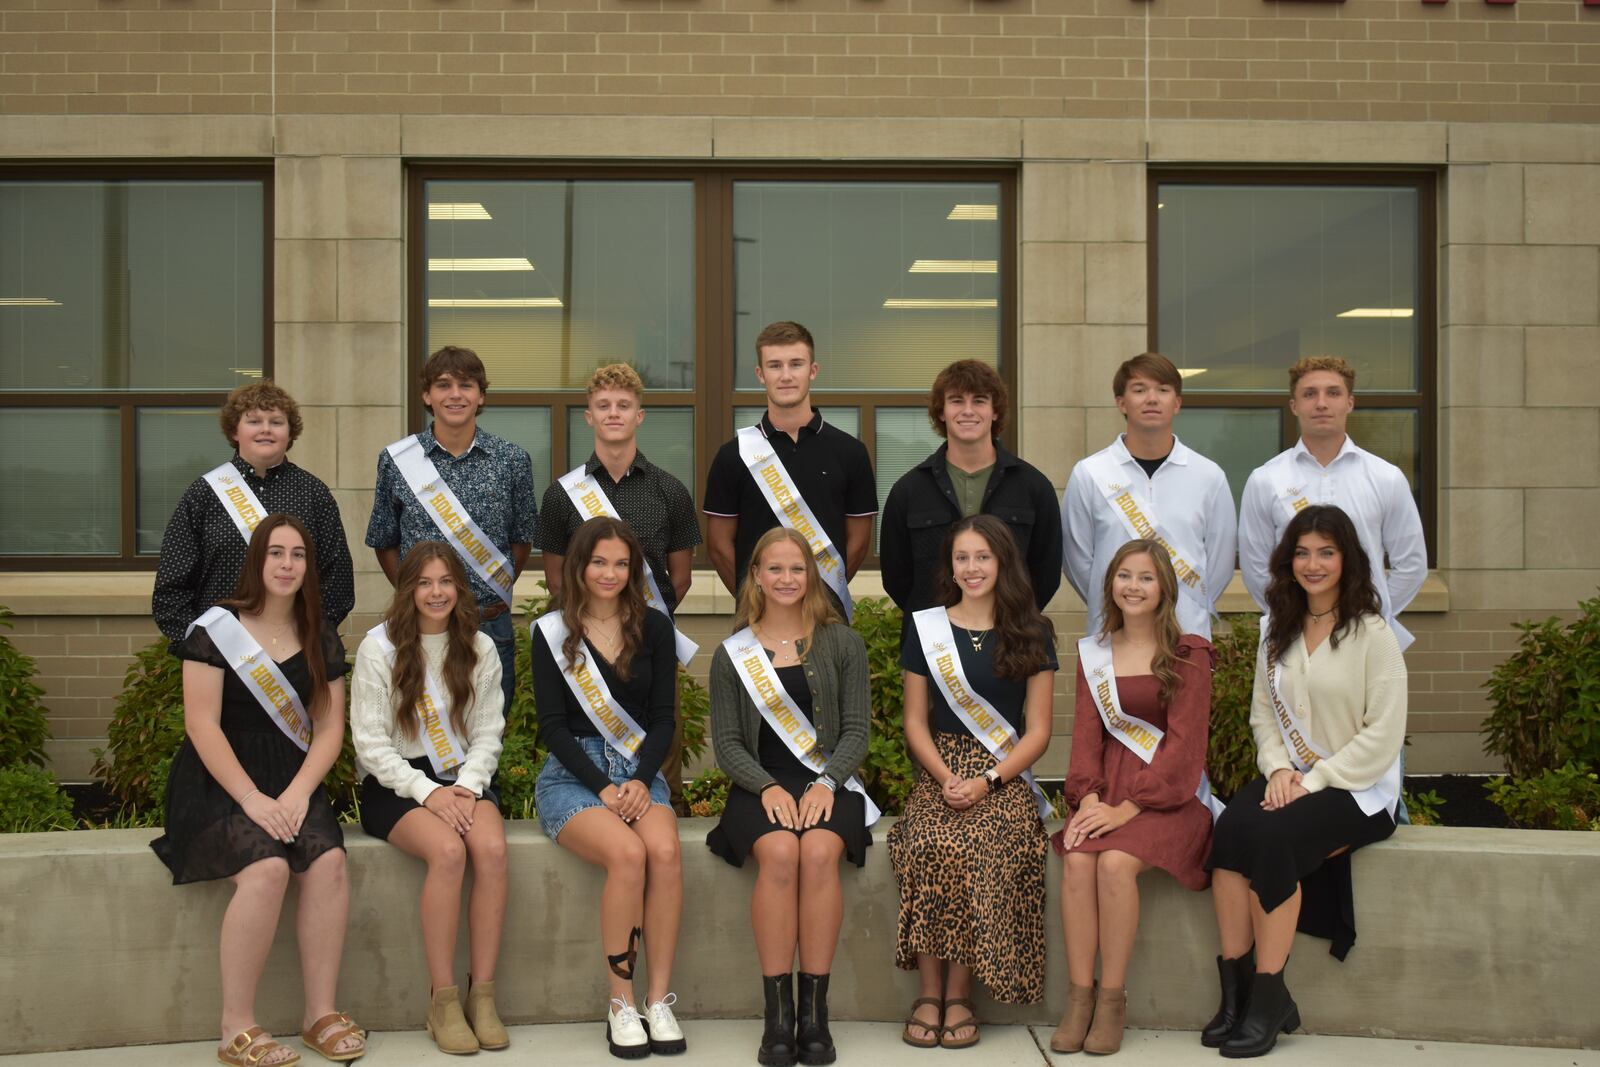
x=665 y=1036
x=625 y=1032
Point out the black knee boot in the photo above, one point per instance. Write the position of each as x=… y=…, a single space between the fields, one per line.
x=1271 y=1012
x=777 y=1040
x=1235 y=975
x=813 y=1039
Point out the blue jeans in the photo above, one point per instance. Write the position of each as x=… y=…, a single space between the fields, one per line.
x=505 y=643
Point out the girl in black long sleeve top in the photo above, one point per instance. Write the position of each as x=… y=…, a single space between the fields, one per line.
x=601 y=793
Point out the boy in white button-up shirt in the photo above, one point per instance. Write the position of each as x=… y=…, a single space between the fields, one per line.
x=1146 y=484
x=1326 y=467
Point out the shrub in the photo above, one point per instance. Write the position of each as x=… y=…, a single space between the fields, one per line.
x=32 y=802
x=1423 y=807
x=146 y=728
x=887 y=772
x=1567 y=798
x=23 y=728
x=1231 y=753
x=707 y=795
x=1544 y=719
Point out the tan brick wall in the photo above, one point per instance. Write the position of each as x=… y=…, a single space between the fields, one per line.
x=1536 y=61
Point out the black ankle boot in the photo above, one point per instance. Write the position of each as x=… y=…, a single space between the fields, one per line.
x=1235 y=975
x=777 y=1040
x=1271 y=1012
x=816 y=1044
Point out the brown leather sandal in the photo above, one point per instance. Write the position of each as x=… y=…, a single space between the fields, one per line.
x=931 y=1029
x=970 y=1022
x=324 y=1035
x=250 y=1047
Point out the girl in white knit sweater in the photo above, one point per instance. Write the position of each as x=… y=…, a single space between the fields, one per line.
x=1329 y=716
x=427 y=717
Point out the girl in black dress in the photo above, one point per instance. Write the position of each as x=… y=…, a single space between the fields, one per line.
x=245 y=801
x=796 y=821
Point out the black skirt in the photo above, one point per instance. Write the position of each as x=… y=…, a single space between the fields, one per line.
x=382 y=807
x=744 y=821
x=1279 y=850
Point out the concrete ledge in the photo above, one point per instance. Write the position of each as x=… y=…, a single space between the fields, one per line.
x=1466 y=935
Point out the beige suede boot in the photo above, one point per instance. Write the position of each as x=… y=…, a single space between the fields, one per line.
x=484 y=1018
x=447 y=1025
x=1110 y=1012
x=1075 y=1019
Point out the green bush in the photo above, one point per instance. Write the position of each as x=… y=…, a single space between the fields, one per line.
x=1423 y=808
x=1567 y=798
x=23 y=728
x=31 y=801
x=1544 y=719
x=707 y=795
x=146 y=729
x=1231 y=753
x=887 y=773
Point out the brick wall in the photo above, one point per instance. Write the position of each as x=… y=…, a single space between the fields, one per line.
x=1535 y=61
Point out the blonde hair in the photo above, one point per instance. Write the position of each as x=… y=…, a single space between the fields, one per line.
x=616 y=376
x=1306 y=364
x=816 y=607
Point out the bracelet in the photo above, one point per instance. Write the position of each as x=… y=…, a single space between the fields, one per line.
x=247 y=796
x=827 y=783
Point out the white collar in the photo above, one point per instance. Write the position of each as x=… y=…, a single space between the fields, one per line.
x=1178 y=455
x=1348 y=448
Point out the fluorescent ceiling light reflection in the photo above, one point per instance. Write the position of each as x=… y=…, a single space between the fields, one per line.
x=1190 y=372
x=507 y=263
x=495 y=302
x=446 y=212
x=953 y=266
x=919 y=303
x=28 y=302
x=974 y=212
x=247 y=372
x=1377 y=313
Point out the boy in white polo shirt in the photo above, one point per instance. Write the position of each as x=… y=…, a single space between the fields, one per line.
x=1147 y=484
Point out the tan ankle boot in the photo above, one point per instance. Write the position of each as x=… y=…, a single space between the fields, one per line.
x=447 y=1025
x=1075 y=1019
x=484 y=1018
x=1110 y=1012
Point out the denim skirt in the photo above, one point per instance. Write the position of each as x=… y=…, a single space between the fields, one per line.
x=559 y=794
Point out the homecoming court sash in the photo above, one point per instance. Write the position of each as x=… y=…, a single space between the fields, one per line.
x=1304 y=751
x=784 y=498
x=780 y=711
x=1140 y=737
x=241 y=504
x=1138 y=518
x=621 y=730
x=590 y=500
x=259 y=672
x=445 y=749
x=979 y=716
x=450 y=515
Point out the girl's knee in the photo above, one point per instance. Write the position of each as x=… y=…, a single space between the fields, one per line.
x=264 y=876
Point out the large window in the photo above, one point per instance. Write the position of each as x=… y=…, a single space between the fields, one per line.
x=129 y=305
x=547 y=274
x=1250 y=274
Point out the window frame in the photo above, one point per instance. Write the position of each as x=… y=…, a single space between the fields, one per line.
x=1424 y=399
x=714 y=397
x=127 y=403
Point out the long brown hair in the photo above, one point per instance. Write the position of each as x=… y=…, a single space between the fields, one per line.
x=1286 y=601
x=1167 y=629
x=1024 y=635
x=574 y=596
x=250 y=594
x=461 y=654
x=816 y=606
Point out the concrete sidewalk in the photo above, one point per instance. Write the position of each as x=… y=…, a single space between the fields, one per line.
x=732 y=1043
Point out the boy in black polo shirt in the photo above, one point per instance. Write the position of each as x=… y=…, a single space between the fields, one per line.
x=830 y=473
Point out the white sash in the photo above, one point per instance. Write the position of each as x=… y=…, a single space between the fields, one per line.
x=1290 y=498
x=1138 y=518
x=979 y=716
x=591 y=500
x=446 y=751
x=621 y=731
x=1304 y=751
x=780 y=711
x=784 y=498
x=450 y=515
x=259 y=673
x=1140 y=737
x=241 y=504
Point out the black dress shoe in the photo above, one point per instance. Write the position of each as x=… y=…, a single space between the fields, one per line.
x=1271 y=1012
x=1236 y=975
x=813 y=1038
x=777 y=1040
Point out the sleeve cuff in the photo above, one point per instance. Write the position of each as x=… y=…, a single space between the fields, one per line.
x=1313 y=780
x=423 y=789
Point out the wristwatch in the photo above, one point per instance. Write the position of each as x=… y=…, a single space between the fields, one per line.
x=992 y=776
x=826 y=782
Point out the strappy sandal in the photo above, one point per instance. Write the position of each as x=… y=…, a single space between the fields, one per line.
x=970 y=1022
x=250 y=1047
x=324 y=1035
x=931 y=1029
